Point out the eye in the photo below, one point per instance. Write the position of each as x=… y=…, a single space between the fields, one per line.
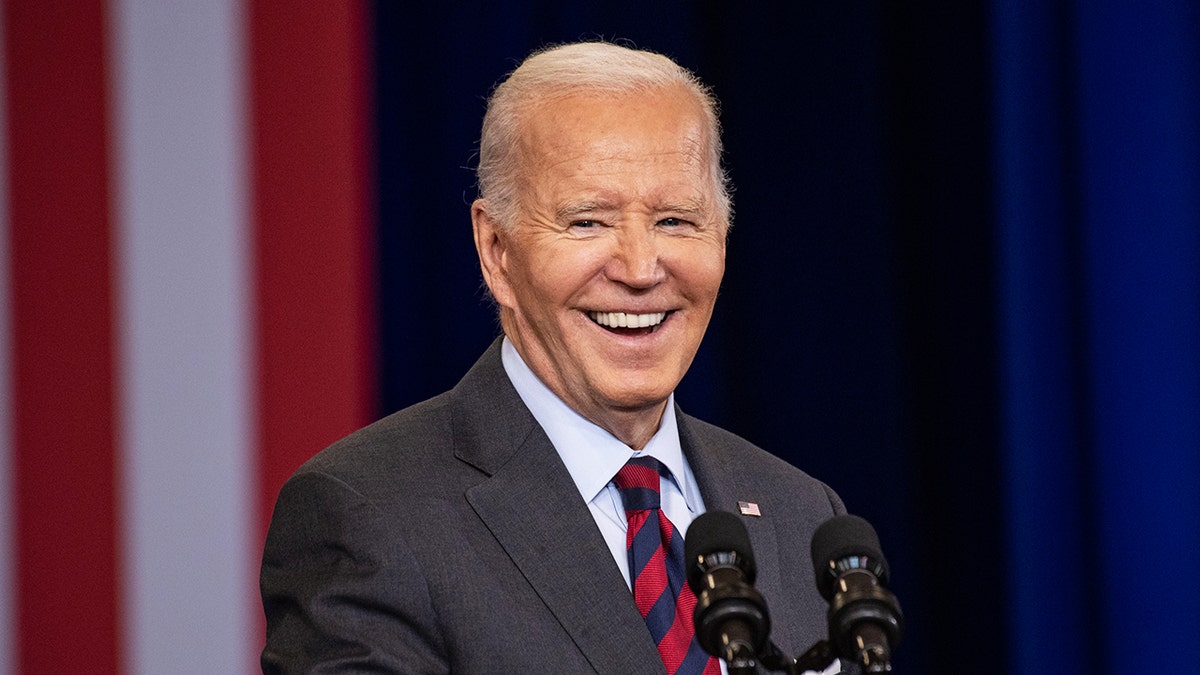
x=672 y=222
x=584 y=224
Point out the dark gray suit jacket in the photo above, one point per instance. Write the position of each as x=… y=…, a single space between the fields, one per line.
x=449 y=537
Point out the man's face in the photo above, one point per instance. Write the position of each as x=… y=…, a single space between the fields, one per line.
x=608 y=279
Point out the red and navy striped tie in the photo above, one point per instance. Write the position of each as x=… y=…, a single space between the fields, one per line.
x=656 y=569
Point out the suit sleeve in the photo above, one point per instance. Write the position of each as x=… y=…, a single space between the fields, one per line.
x=341 y=592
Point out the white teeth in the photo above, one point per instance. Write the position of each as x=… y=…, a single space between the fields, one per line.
x=623 y=320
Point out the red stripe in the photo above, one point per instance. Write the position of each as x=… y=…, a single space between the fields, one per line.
x=674 y=645
x=314 y=225
x=63 y=420
x=637 y=476
x=650 y=583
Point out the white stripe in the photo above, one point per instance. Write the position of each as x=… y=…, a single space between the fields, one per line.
x=184 y=341
x=8 y=587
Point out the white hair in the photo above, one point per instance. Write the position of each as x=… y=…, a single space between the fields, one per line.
x=563 y=70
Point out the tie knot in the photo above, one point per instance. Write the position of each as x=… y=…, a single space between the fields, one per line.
x=638 y=482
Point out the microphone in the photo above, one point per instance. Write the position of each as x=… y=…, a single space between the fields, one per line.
x=731 y=618
x=865 y=622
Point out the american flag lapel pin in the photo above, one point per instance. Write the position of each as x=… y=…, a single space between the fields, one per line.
x=749 y=509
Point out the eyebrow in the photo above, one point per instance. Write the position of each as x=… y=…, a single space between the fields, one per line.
x=573 y=209
x=689 y=207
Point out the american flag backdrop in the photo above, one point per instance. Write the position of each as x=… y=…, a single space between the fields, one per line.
x=187 y=313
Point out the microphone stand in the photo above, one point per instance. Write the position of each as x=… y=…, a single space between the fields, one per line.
x=819 y=657
x=740 y=660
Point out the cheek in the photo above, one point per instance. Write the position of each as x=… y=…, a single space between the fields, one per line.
x=544 y=284
x=716 y=272
x=565 y=270
x=700 y=272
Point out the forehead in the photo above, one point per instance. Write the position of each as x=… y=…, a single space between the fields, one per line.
x=659 y=135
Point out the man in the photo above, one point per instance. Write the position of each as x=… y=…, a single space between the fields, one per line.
x=483 y=531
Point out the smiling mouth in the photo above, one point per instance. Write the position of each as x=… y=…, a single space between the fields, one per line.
x=629 y=324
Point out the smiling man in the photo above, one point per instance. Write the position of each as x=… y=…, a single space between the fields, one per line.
x=530 y=520
x=607 y=278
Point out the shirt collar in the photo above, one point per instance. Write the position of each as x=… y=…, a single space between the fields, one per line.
x=591 y=454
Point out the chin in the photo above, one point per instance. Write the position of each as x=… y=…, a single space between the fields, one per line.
x=633 y=388
x=638 y=398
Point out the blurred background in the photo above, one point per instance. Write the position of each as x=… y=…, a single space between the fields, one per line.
x=963 y=289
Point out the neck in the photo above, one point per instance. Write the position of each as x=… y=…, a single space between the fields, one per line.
x=634 y=424
x=634 y=428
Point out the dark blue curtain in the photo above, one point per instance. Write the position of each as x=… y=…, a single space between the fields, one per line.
x=1098 y=196
x=962 y=287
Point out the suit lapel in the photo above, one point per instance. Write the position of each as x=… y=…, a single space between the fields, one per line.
x=722 y=488
x=532 y=507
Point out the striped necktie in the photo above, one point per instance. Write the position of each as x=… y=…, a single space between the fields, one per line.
x=657 y=572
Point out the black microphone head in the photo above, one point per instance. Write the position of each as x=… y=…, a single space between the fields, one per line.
x=842 y=543
x=717 y=532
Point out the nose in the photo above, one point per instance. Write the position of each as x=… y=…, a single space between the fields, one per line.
x=636 y=262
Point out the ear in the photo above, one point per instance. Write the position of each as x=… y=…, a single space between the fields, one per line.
x=491 y=243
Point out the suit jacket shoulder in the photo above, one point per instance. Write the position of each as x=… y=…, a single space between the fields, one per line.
x=447 y=537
